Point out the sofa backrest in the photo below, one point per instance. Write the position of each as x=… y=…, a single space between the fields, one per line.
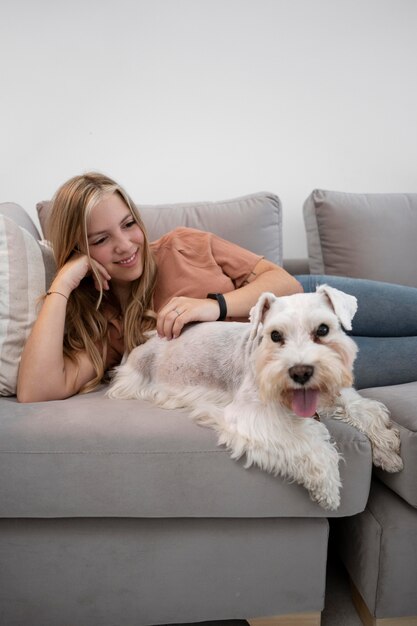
x=365 y=235
x=253 y=221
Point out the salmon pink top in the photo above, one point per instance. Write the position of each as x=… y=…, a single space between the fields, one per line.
x=194 y=263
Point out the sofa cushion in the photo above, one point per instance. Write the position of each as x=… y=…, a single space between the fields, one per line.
x=401 y=401
x=253 y=222
x=23 y=279
x=362 y=235
x=89 y=456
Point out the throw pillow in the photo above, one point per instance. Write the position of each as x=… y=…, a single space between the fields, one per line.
x=23 y=280
x=362 y=235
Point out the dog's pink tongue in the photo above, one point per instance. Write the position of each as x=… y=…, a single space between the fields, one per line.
x=304 y=402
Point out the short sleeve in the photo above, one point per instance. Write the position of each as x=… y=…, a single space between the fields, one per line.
x=193 y=263
x=235 y=261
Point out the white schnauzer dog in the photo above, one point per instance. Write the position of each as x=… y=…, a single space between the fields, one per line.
x=259 y=384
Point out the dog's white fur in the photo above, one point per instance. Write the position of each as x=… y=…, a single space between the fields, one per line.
x=243 y=383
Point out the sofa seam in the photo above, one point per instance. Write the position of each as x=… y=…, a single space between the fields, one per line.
x=377 y=592
x=105 y=452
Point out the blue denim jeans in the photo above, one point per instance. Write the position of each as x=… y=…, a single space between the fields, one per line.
x=384 y=328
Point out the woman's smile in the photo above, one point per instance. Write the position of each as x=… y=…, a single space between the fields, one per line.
x=130 y=261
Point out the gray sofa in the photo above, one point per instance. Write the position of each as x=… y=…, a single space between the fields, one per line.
x=373 y=236
x=122 y=513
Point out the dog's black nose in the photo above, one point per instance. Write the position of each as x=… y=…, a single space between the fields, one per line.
x=301 y=373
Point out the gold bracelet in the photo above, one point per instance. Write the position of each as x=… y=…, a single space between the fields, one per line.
x=48 y=293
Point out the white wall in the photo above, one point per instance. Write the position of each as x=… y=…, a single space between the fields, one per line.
x=185 y=100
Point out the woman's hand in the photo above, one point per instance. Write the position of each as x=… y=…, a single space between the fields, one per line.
x=78 y=267
x=266 y=276
x=180 y=311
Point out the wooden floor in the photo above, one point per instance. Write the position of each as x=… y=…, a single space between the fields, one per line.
x=369 y=620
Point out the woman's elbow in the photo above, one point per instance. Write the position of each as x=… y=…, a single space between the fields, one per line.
x=24 y=395
x=29 y=393
x=296 y=286
x=289 y=284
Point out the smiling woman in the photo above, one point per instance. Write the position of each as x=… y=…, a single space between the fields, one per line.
x=112 y=286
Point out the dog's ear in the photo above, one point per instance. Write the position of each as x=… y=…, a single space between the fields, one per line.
x=257 y=312
x=344 y=305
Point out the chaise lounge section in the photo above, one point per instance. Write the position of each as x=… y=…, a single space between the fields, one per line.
x=373 y=236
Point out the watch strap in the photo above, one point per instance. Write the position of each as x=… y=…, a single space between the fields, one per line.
x=222 y=304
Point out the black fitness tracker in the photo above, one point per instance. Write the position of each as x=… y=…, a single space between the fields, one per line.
x=222 y=304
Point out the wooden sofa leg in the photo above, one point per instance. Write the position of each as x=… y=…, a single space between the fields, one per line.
x=293 y=619
x=369 y=620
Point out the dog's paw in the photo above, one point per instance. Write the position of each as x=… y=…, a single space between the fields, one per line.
x=327 y=498
x=391 y=462
x=385 y=450
x=323 y=480
x=337 y=412
x=387 y=460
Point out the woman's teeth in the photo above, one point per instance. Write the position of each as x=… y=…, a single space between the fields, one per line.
x=129 y=260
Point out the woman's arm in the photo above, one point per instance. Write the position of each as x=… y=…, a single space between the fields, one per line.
x=44 y=372
x=266 y=276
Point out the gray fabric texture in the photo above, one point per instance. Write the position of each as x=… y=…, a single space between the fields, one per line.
x=401 y=402
x=131 y=572
x=23 y=281
x=362 y=235
x=253 y=221
x=379 y=550
x=91 y=456
x=296 y=266
x=16 y=213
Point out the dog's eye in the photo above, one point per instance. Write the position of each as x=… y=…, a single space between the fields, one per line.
x=276 y=336
x=322 y=330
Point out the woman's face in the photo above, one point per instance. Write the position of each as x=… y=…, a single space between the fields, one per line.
x=115 y=240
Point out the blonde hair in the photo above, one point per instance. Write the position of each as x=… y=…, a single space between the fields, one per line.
x=86 y=325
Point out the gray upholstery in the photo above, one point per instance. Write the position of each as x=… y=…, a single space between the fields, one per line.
x=16 y=213
x=131 y=459
x=362 y=235
x=296 y=266
x=401 y=401
x=373 y=236
x=253 y=222
x=379 y=549
x=128 y=572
